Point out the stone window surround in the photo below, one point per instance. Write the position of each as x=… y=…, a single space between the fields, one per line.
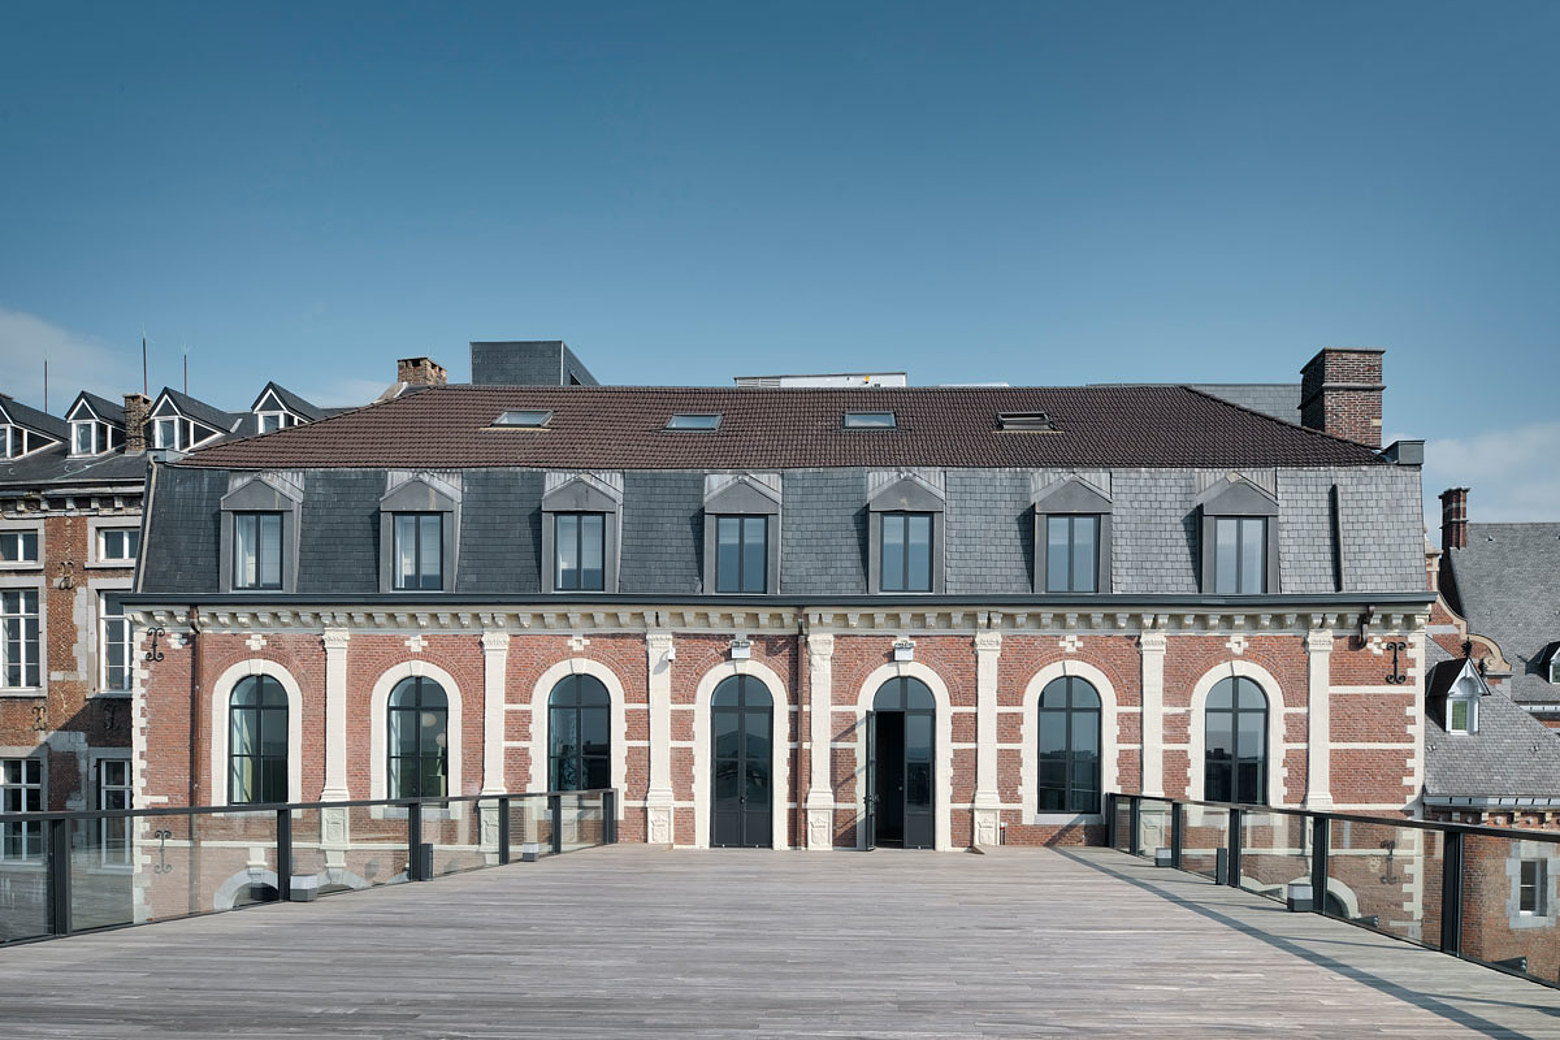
x=1236 y=496
x=36 y=526
x=583 y=493
x=617 y=720
x=379 y=738
x=94 y=636
x=942 y=743
x=41 y=754
x=746 y=494
x=260 y=493
x=94 y=788
x=35 y=582
x=1546 y=854
x=98 y=524
x=1277 y=772
x=1029 y=768
x=780 y=744
x=222 y=693
x=419 y=493
x=1072 y=496
x=910 y=493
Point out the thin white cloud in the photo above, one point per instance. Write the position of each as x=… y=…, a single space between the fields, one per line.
x=343 y=393
x=1513 y=474
x=76 y=362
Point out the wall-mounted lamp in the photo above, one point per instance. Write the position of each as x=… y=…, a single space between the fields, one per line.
x=671 y=653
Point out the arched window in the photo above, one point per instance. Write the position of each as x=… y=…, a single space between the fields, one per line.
x=419 y=717
x=1236 y=722
x=257 y=741
x=1069 y=746
x=579 y=753
x=741 y=730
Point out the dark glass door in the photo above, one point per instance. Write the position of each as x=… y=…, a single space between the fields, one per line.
x=741 y=721
x=901 y=747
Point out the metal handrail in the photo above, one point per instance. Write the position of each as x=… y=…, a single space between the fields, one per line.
x=257 y=807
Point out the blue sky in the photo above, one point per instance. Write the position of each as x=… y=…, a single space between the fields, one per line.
x=1032 y=192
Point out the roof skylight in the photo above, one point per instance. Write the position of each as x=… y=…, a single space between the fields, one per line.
x=694 y=421
x=525 y=418
x=1025 y=421
x=870 y=421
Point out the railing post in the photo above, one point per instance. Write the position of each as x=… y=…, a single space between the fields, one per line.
x=609 y=817
x=503 y=831
x=58 y=836
x=1234 y=868
x=284 y=854
x=1451 y=891
x=555 y=811
x=414 y=863
x=1134 y=821
x=1321 y=845
x=1110 y=819
x=1177 y=833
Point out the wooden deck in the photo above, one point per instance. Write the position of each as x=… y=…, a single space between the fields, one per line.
x=631 y=941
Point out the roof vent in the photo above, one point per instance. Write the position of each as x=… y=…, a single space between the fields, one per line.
x=1025 y=421
x=870 y=421
x=694 y=421
x=524 y=418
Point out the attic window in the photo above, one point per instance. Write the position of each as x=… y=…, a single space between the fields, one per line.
x=694 y=421
x=1462 y=707
x=1025 y=421
x=1551 y=663
x=870 y=421
x=526 y=418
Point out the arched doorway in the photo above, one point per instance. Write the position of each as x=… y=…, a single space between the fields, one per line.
x=900 y=802
x=741 y=734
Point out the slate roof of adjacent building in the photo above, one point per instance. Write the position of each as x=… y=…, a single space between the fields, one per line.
x=54 y=465
x=106 y=410
x=194 y=408
x=1511 y=755
x=293 y=403
x=1280 y=400
x=624 y=428
x=1506 y=583
x=32 y=418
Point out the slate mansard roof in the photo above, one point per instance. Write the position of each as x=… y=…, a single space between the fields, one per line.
x=1507 y=584
x=624 y=428
x=1511 y=756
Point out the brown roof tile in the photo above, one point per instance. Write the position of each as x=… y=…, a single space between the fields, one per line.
x=624 y=428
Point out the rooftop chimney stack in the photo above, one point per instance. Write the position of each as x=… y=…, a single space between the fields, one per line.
x=138 y=408
x=420 y=371
x=1340 y=393
x=1454 y=519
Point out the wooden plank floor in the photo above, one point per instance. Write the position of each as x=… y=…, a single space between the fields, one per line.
x=632 y=941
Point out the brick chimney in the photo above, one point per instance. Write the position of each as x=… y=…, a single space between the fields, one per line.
x=1340 y=393
x=1454 y=519
x=137 y=408
x=420 y=371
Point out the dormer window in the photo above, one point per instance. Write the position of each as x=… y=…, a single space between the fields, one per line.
x=178 y=434
x=1462 y=707
x=1550 y=663
x=870 y=421
x=19 y=442
x=270 y=422
x=88 y=437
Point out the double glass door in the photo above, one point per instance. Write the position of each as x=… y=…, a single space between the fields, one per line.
x=900 y=807
x=742 y=723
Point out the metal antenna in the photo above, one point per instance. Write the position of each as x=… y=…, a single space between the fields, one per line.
x=145 y=383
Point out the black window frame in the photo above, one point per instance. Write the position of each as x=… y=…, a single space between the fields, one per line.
x=395 y=761
x=1232 y=765
x=568 y=696
x=423 y=582
x=1071 y=520
x=240 y=519
x=1070 y=795
x=558 y=572
x=1241 y=525
x=903 y=582
x=265 y=711
x=745 y=522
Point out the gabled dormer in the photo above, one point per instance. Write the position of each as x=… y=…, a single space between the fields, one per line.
x=25 y=430
x=277 y=408
x=97 y=426
x=1452 y=696
x=181 y=423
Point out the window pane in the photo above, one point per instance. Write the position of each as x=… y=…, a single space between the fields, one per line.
x=245 y=551
x=430 y=550
x=893 y=552
x=918 y=554
x=405 y=551
x=592 y=552
x=567 y=546
x=1084 y=552
x=270 y=531
x=1053 y=732
x=728 y=553
x=753 y=553
x=1253 y=555
x=1459 y=716
x=1226 y=531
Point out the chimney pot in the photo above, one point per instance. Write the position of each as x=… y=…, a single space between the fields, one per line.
x=1454 y=518
x=138 y=408
x=420 y=371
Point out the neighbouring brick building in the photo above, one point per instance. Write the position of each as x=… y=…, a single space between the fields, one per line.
x=810 y=617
